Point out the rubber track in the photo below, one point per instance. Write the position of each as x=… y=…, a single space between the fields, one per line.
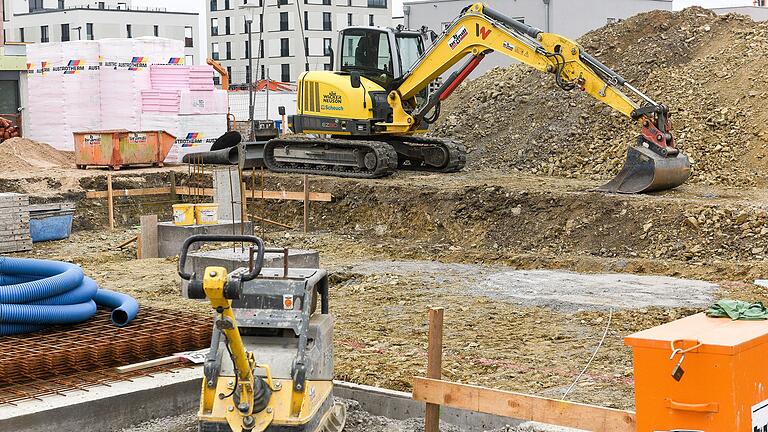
x=385 y=154
x=457 y=153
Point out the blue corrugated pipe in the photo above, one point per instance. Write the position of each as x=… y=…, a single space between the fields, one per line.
x=35 y=294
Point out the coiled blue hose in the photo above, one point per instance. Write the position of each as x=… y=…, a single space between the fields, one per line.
x=35 y=294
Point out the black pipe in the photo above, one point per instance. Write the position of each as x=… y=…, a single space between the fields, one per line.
x=511 y=22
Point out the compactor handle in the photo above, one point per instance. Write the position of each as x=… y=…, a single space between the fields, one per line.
x=213 y=238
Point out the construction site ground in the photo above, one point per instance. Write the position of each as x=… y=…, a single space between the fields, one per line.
x=397 y=246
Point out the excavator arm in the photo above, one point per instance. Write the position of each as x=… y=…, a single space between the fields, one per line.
x=480 y=30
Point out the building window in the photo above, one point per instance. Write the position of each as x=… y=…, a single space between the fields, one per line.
x=128 y=31
x=327 y=2
x=285 y=73
x=101 y=5
x=285 y=47
x=189 y=59
x=35 y=5
x=306 y=47
x=284 y=21
x=261 y=23
x=21 y=35
x=227 y=27
x=327 y=67
x=65 y=32
x=377 y=3
x=89 y=31
x=349 y=19
x=229 y=50
x=282 y=2
x=226 y=5
x=61 y=4
x=188 y=40
x=245 y=25
x=214 y=6
x=214 y=26
x=44 y=34
x=370 y=20
x=156 y=31
x=261 y=48
x=306 y=20
x=327 y=21
x=263 y=72
x=327 y=46
x=247 y=73
x=215 y=50
x=229 y=74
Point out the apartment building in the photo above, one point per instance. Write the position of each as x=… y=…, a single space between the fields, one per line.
x=40 y=21
x=289 y=36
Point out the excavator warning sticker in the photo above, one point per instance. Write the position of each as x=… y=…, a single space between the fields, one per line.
x=457 y=37
x=760 y=417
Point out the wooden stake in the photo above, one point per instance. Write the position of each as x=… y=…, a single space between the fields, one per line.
x=138 y=247
x=306 y=203
x=127 y=242
x=434 y=365
x=110 y=203
x=149 y=245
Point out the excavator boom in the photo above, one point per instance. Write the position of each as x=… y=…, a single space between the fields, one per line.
x=654 y=163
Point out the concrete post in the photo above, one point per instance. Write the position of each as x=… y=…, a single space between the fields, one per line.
x=227 y=193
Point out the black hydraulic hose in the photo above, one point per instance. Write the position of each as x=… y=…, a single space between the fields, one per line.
x=601 y=69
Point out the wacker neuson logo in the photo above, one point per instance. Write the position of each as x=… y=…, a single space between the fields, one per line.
x=457 y=37
x=332 y=98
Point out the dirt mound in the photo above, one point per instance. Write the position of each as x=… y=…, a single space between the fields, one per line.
x=23 y=153
x=706 y=68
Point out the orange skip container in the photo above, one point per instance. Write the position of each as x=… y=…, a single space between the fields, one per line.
x=725 y=384
x=118 y=148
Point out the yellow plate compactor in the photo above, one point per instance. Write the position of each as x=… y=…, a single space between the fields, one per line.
x=270 y=366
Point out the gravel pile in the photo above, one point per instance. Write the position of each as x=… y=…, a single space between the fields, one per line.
x=706 y=68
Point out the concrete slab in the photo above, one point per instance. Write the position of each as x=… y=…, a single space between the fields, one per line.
x=106 y=409
x=559 y=290
x=171 y=237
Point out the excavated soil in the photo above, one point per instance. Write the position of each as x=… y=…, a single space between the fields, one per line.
x=706 y=68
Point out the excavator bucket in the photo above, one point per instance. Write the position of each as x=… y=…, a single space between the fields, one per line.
x=646 y=171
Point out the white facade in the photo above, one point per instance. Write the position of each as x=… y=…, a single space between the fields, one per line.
x=283 y=33
x=36 y=21
x=570 y=18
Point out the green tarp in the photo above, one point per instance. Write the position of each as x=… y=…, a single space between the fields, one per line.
x=738 y=310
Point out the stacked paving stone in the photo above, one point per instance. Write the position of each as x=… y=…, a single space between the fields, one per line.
x=14 y=223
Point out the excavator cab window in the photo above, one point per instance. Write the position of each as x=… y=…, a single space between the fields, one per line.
x=368 y=51
x=410 y=47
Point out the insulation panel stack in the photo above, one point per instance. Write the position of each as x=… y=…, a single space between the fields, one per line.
x=184 y=102
x=14 y=223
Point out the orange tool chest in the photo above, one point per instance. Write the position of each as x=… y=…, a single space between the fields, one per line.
x=724 y=387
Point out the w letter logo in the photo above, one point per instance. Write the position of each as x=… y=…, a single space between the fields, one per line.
x=482 y=31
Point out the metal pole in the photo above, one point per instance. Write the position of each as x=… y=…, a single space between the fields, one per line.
x=252 y=132
x=268 y=81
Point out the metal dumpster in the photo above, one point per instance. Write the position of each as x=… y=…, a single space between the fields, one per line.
x=118 y=148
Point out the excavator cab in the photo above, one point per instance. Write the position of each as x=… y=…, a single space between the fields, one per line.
x=382 y=55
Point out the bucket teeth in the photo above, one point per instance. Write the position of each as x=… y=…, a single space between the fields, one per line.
x=646 y=171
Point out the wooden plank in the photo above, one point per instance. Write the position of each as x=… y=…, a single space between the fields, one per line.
x=150 y=363
x=130 y=192
x=149 y=244
x=523 y=407
x=185 y=190
x=127 y=242
x=110 y=203
x=271 y=222
x=434 y=365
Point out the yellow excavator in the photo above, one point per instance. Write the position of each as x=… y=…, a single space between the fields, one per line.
x=369 y=115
